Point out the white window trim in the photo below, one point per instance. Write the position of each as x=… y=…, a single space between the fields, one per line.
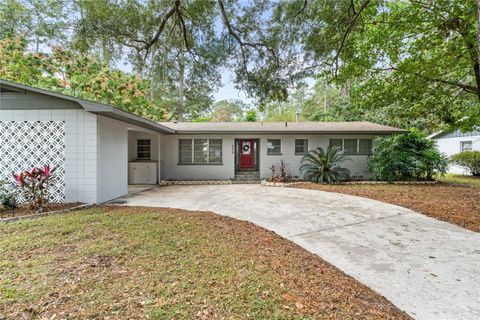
x=193 y=153
x=295 y=147
x=281 y=147
x=358 y=146
x=150 y=152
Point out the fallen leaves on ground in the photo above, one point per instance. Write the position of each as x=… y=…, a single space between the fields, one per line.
x=136 y=263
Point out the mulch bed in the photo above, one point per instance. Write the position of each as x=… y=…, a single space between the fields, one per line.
x=24 y=210
x=454 y=203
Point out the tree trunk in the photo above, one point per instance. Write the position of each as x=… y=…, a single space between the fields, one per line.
x=106 y=54
x=181 y=85
x=150 y=73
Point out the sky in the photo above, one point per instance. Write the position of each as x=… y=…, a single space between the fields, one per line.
x=228 y=90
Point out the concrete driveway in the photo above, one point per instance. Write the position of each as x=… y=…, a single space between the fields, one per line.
x=426 y=267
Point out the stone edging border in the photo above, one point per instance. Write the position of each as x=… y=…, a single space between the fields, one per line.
x=193 y=182
x=287 y=184
x=46 y=214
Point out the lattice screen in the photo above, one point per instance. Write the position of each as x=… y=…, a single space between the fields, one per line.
x=26 y=144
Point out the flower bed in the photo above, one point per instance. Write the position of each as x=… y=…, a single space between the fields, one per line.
x=366 y=182
x=193 y=182
x=23 y=211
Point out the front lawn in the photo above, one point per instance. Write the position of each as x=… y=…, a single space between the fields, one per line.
x=460 y=179
x=136 y=263
x=457 y=203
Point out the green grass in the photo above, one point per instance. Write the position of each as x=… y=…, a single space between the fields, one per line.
x=460 y=179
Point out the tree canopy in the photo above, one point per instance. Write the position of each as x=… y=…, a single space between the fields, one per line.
x=80 y=76
x=409 y=63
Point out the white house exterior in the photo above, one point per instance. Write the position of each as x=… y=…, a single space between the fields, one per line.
x=99 y=149
x=451 y=143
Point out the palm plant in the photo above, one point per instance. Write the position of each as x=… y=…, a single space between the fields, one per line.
x=324 y=167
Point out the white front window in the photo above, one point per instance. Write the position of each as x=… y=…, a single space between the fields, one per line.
x=274 y=147
x=353 y=146
x=200 y=151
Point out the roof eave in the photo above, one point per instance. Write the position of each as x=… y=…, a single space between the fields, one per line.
x=286 y=132
x=97 y=108
x=133 y=119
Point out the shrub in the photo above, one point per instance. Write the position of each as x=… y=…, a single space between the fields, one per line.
x=469 y=160
x=34 y=185
x=281 y=172
x=324 y=167
x=8 y=196
x=408 y=156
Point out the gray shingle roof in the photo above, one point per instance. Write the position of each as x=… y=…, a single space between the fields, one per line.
x=279 y=127
x=216 y=127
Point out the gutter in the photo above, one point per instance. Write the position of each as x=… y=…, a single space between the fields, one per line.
x=192 y=132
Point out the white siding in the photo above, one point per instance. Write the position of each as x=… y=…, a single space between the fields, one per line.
x=133 y=136
x=112 y=153
x=80 y=148
x=451 y=146
x=357 y=167
x=174 y=171
x=171 y=170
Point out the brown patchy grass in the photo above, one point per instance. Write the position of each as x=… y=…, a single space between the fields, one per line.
x=135 y=263
x=455 y=203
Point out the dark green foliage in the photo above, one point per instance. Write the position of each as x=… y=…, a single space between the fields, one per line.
x=8 y=196
x=402 y=63
x=469 y=160
x=251 y=116
x=407 y=157
x=324 y=167
x=9 y=201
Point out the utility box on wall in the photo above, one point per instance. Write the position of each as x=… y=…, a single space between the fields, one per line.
x=142 y=172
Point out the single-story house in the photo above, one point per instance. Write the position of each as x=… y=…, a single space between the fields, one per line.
x=99 y=150
x=453 y=142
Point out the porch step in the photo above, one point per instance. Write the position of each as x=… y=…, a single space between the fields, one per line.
x=247 y=176
x=245 y=182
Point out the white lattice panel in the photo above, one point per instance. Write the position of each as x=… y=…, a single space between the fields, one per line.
x=28 y=144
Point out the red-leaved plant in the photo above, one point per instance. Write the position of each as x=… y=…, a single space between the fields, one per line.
x=34 y=185
x=280 y=173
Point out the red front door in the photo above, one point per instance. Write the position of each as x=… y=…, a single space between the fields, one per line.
x=246 y=154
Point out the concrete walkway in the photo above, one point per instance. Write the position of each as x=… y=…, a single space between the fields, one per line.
x=426 y=267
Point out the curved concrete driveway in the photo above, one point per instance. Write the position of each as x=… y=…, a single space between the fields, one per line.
x=426 y=267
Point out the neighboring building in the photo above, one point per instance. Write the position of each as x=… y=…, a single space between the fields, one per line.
x=453 y=142
x=99 y=149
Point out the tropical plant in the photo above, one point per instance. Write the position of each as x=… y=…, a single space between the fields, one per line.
x=469 y=160
x=281 y=172
x=406 y=157
x=324 y=166
x=34 y=185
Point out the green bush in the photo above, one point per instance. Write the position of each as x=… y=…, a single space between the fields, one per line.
x=469 y=160
x=324 y=167
x=8 y=196
x=406 y=157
